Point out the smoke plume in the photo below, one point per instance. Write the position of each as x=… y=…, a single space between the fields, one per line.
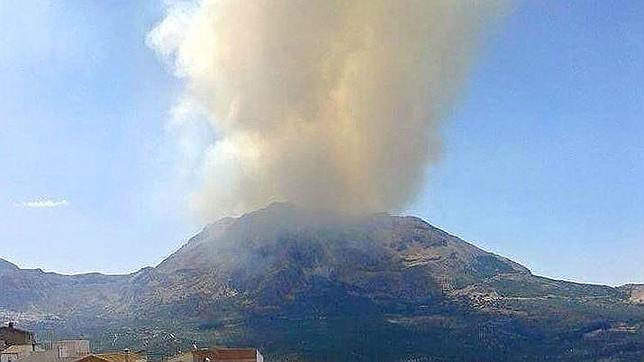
x=324 y=103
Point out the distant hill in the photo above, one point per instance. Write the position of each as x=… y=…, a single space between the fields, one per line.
x=5 y=265
x=309 y=285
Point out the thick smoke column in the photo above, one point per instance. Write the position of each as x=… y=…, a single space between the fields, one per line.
x=323 y=103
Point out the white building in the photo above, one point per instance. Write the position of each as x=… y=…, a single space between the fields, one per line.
x=71 y=348
x=219 y=354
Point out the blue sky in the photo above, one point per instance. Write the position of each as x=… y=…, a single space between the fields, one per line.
x=543 y=162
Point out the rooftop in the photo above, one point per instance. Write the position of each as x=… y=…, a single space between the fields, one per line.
x=223 y=353
x=115 y=357
x=11 y=326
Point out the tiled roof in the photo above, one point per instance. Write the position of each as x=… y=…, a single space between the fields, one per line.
x=114 y=357
x=235 y=353
x=225 y=354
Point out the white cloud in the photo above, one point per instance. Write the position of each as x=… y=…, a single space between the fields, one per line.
x=43 y=203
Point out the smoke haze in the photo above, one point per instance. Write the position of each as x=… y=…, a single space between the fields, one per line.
x=323 y=103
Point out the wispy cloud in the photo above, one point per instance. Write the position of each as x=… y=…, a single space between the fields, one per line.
x=43 y=203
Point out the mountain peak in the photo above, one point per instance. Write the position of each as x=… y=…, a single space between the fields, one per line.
x=280 y=211
x=330 y=277
x=358 y=251
x=6 y=265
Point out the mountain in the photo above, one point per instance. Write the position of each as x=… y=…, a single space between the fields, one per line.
x=312 y=285
x=6 y=265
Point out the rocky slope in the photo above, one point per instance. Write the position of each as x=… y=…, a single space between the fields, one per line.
x=318 y=286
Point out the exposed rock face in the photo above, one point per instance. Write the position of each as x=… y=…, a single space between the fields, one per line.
x=316 y=285
x=635 y=292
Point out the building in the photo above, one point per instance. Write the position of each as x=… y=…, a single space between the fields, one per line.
x=61 y=351
x=71 y=348
x=18 y=351
x=46 y=356
x=219 y=354
x=11 y=336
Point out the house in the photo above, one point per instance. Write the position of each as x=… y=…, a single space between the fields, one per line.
x=71 y=348
x=18 y=351
x=219 y=354
x=46 y=356
x=125 y=356
x=13 y=336
x=61 y=351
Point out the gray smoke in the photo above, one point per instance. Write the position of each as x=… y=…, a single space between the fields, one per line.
x=323 y=103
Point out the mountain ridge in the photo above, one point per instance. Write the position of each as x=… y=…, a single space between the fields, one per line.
x=413 y=288
x=6 y=264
